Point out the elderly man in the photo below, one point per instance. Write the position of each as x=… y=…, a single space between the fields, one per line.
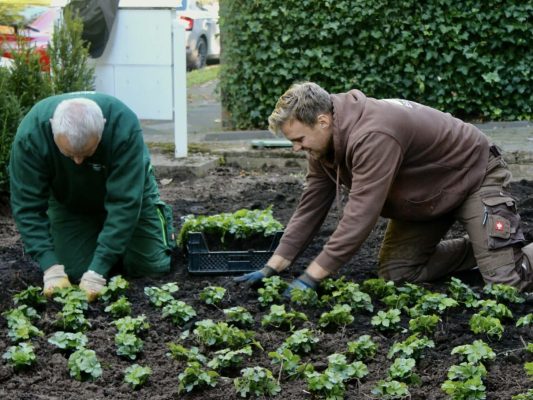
x=83 y=193
x=419 y=167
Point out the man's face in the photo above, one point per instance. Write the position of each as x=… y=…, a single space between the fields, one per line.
x=316 y=140
x=79 y=156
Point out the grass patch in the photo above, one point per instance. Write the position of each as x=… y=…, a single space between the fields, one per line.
x=200 y=76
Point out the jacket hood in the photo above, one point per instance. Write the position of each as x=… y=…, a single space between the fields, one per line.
x=350 y=104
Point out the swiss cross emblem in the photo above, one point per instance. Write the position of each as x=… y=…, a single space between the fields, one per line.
x=499 y=226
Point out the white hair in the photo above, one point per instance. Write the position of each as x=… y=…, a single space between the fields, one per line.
x=78 y=119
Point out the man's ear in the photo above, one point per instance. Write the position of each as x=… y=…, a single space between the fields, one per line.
x=324 y=120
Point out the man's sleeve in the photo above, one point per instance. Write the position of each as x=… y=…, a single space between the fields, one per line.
x=376 y=160
x=29 y=187
x=312 y=209
x=123 y=201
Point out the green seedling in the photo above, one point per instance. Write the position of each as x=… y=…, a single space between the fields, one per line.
x=239 y=316
x=389 y=390
x=463 y=293
x=401 y=301
x=119 y=308
x=476 y=352
x=378 y=287
x=137 y=375
x=304 y=297
x=466 y=371
x=502 y=292
x=195 y=377
x=116 y=288
x=128 y=344
x=387 y=320
x=471 y=389
x=256 y=381
x=432 y=303
x=180 y=353
x=528 y=367
x=415 y=292
x=352 y=295
x=227 y=358
x=20 y=326
x=411 y=347
x=329 y=285
x=221 y=334
x=212 y=295
x=84 y=365
x=159 y=296
x=524 y=396
x=20 y=356
x=132 y=325
x=289 y=363
x=15 y=315
x=340 y=315
x=526 y=320
x=489 y=326
x=68 y=340
x=424 y=324
x=178 y=312
x=32 y=297
x=401 y=370
x=71 y=318
x=71 y=298
x=301 y=341
x=272 y=290
x=491 y=308
x=362 y=349
x=280 y=318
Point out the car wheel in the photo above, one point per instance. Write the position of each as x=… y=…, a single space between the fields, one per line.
x=201 y=53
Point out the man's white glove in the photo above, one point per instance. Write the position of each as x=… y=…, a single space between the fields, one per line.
x=55 y=278
x=92 y=283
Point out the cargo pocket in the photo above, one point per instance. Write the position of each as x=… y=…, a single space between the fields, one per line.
x=501 y=221
x=164 y=211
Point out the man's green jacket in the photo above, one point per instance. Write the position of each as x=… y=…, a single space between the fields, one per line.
x=111 y=184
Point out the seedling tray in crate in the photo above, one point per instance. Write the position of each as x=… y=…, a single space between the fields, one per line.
x=205 y=262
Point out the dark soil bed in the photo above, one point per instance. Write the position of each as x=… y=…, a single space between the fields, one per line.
x=226 y=190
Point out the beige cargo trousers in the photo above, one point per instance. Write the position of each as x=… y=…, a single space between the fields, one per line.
x=415 y=251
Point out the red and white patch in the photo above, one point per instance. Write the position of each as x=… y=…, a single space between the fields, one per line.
x=499 y=226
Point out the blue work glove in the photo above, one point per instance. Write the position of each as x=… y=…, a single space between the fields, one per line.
x=256 y=277
x=303 y=282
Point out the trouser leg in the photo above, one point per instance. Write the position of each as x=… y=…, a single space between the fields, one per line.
x=74 y=236
x=414 y=252
x=490 y=217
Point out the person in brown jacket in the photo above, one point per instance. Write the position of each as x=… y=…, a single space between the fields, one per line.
x=420 y=168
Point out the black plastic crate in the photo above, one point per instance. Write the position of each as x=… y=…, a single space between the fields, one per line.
x=205 y=262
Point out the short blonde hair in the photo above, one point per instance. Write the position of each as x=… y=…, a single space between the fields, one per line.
x=78 y=119
x=302 y=101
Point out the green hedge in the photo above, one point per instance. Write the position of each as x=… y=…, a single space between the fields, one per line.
x=471 y=58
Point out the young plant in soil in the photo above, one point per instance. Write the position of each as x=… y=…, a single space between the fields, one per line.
x=159 y=296
x=524 y=396
x=31 y=296
x=256 y=381
x=502 y=292
x=280 y=318
x=401 y=370
x=212 y=295
x=526 y=320
x=301 y=341
x=476 y=352
x=132 y=325
x=178 y=312
x=119 y=308
x=227 y=358
x=84 y=365
x=19 y=323
x=272 y=290
x=180 y=353
x=137 y=375
x=340 y=315
x=331 y=382
x=469 y=389
x=411 y=347
x=194 y=377
x=352 y=295
x=432 y=303
x=490 y=326
x=71 y=318
x=68 y=340
x=128 y=344
x=362 y=349
x=528 y=367
x=116 y=288
x=239 y=316
x=378 y=287
x=390 y=390
x=71 y=298
x=20 y=356
x=424 y=324
x=463 y=293
x=400 y=301
x=221 y=334
x=491 y=308
x=387 y=320
x=304 y=297
x=289 y=363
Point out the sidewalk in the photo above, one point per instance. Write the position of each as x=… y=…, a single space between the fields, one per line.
x=212 y=144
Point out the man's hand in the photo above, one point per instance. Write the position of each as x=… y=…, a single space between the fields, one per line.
x=256 y=277
x=54 y=278
x=92 y=283
x=304 y=281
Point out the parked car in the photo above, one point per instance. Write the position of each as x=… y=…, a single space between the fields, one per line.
x=202 y=33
